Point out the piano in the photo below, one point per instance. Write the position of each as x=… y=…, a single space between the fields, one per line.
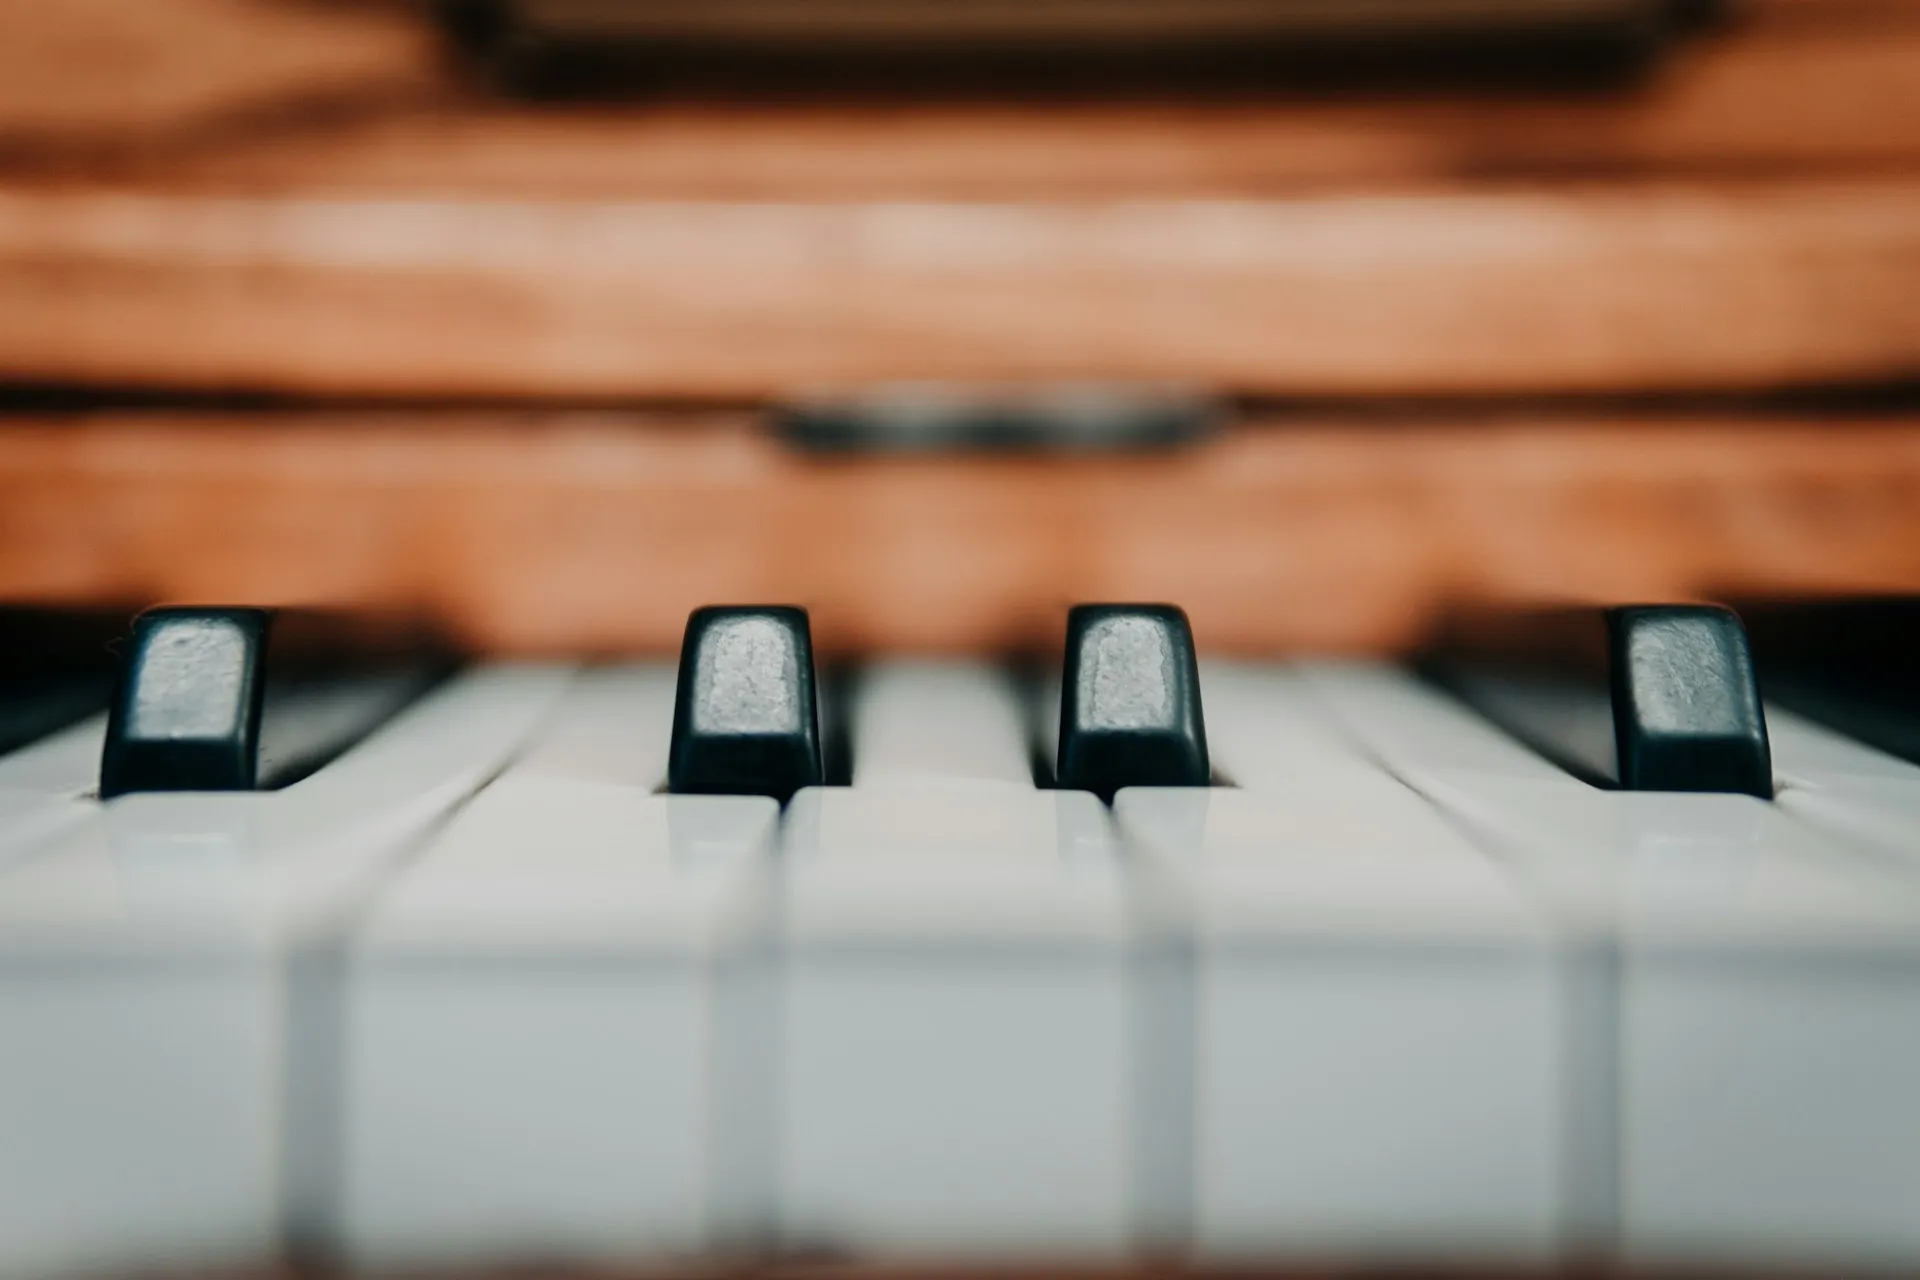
x=1122 y=957
x=947 y=638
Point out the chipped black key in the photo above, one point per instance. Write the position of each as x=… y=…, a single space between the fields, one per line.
x=1641 y=697
x=1130 y=701
x=235 y=700
x=745 y=720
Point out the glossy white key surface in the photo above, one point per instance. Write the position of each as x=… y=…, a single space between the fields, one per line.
x=912 y=861
x=938 y=722
x=1809 y=756
x=1766 y=1013
x=1376 y=1028
x=1841 y=785
x=1416 y=731
x=1837 y=785
x=540 y=1013
x=46 y=786
x=954 y=995
x=148 y=984
x=614 y=728
x=1266 y=728
x=478 y=991
x=1376 y=1007
x=64 y=763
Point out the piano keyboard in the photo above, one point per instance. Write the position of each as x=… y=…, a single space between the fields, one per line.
x=1311 y=960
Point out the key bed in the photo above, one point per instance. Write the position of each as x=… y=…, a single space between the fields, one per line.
x=1384 y=982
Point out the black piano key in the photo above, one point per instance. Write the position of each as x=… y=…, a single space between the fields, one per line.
x=56 y=667
x=1130 y=711
x=1641 y=697
x=1686 y=703
x=186 y=713
x=745 y=714
x=242 y=699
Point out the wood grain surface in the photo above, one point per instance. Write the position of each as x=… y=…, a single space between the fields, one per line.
x=554 y=533
x=209 y=195
x=82 y=74
x=294 y=95
x=1756 y=284
x=1749 y=217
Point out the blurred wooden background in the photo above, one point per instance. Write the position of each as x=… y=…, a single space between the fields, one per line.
x=291 y=309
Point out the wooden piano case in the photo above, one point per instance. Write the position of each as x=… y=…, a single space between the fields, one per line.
x=294 y=307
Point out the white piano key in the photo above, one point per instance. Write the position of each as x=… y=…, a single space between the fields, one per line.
x=1376 y=1014
x=1768 y=1022
x=939 y=722
x=1376 y=1006
x=149 y=986
x=1264 y=727
x=306 y=723
x=612 y=730
x=47 y=786
x=1415 y=730
x=1879 y=813
x=1841 y=785
x=1809 y=756
x=64 y=763
x=540 y=1015
x=1766 y=1011
x=954 y=995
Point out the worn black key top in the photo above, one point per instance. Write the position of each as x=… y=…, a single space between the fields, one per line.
x=745 y=719
x=1130 y=701
x=235 y=700
x=186 y=713
x=1641 y=697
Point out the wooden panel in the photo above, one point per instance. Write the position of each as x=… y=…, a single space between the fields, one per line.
x=562 y=533
x=1804 y=85
x=296 y=197
x=1729 y=285
x=82 y=73
x=304 y=96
